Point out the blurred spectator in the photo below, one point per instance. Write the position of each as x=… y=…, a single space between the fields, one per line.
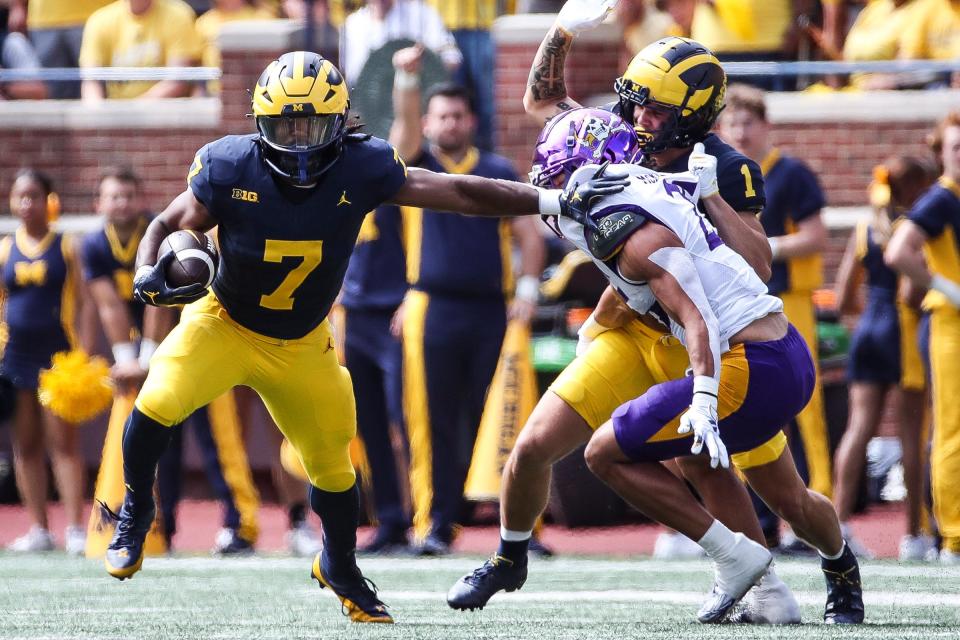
x=935 y=31
x=381 y=21
x=879 y=33
x=742 y=30
x=455 y=314
x=39 y=279
x=16 y=52
x=469 y=21
x=208 y=28
x=681 y=11
x=55 y=28
x=884 y=354
x=140 y=33
x=326 y=35
x=925 y=249
x=644 y=23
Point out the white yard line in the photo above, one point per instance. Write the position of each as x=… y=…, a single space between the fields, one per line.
x=871 y=598
x=802 y=567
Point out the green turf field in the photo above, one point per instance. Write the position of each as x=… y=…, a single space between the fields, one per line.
x=50 y=596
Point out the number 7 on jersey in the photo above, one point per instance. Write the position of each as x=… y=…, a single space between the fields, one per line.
x=275 y=251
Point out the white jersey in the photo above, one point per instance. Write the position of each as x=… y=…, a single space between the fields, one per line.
x=735 y=293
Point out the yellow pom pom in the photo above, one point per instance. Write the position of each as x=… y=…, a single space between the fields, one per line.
x=76 y=387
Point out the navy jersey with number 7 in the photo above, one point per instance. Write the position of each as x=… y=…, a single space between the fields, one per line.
x=284 y=250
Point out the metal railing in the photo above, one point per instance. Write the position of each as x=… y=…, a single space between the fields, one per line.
x=758 y=68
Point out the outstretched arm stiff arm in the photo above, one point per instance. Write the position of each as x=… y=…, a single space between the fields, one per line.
x=473 y=195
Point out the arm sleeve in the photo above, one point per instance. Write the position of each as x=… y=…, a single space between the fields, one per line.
x=808 y=196
x=741 y=184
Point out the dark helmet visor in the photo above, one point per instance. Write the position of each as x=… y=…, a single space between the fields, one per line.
x=300 y=133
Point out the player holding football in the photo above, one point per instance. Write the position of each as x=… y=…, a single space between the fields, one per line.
x=288 y=203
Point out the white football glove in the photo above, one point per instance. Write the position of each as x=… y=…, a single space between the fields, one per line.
x=705 y=167
x=588 y=331
x=582 y=15
x=701 y=419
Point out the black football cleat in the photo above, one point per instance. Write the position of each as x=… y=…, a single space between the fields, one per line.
x=358 y=595
x=844 y=591
x=387 y=542
x=473 y=590
x=124 y=555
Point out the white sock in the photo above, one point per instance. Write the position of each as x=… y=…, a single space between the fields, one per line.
x=717 y=541
x=514 y=536
x=834 y=557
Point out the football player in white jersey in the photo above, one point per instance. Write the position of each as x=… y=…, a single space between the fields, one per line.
x=584 y=136
x=751 y=370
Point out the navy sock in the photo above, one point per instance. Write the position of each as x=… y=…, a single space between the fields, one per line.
x=296 y=514
x=144 y=441
x=339 y=513
x=514 y=550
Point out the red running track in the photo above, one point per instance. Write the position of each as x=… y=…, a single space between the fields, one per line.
x=880 y=530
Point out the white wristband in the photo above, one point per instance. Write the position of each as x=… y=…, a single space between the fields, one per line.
x=774 y=247
x=947 y=287
x=549 y=201
x=706 y=384
x=124 y=352
x=147 y=348
x=528 y=288
x=404 y=80
x=590 y=329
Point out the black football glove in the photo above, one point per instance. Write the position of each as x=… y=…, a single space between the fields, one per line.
x=150 y=286
x=577 y=198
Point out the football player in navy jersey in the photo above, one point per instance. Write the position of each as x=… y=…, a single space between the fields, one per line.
x=288 y=202
x=671 y=92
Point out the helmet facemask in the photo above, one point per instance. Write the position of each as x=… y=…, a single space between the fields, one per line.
x=678 y=76
x=300 y=148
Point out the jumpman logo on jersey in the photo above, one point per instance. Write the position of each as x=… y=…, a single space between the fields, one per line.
x=343 y=199
x=329 y=345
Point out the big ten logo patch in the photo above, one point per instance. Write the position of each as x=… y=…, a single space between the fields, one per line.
x=246 y=196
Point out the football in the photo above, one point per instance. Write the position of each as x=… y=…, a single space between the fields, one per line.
x=196 y=258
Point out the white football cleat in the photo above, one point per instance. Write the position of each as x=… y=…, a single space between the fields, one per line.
x=770 y=602
x=949 y=558
x=33 y=541
x=75 y=541
x=303 y=541
x=916 y=548
x=673 y=545
x=734 y=574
